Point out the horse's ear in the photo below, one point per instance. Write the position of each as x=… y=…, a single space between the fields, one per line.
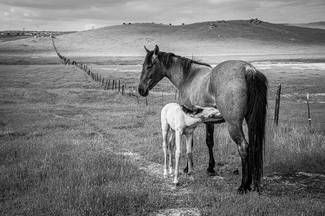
x=146 y=49
x=156 y=50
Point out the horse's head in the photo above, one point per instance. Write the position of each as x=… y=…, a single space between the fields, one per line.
x=152 y=72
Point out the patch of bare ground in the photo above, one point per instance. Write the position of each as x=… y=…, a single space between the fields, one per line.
x=299 y=184
x=156 y=170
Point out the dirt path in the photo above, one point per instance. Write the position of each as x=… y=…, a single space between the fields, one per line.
x=156 y=170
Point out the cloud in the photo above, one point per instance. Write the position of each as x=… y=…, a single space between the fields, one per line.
x=80 y=14
x=63 y=4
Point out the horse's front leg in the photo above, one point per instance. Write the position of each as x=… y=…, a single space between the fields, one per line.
x=210 y=144
x=177 y=155
x=186 y=168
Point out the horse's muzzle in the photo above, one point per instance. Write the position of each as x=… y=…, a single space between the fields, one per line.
x=143 y=92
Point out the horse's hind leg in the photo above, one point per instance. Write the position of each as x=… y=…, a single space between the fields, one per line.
x=237 y=135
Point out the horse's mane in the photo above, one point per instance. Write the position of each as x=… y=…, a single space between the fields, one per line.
x=167 y=60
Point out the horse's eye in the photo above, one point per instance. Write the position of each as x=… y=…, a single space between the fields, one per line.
x=150 y=66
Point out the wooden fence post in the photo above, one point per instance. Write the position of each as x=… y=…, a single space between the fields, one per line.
x=119 y=85
x=277 y=105
x=308 y=109
x=105 y=87
x=113 y=81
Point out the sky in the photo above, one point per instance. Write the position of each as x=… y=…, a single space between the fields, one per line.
x=78 y=15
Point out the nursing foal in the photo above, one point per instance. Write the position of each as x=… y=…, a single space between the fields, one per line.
x=182 y=121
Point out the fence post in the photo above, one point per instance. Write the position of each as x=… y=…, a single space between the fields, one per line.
x=277 y=105
x=119 y=85
x=113 y=84
x=308 y=108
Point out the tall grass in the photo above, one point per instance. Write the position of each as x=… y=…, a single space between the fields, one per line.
x=75 y=174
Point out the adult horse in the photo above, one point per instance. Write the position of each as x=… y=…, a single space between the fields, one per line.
x=235 y=88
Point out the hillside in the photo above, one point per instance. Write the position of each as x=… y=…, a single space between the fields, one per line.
x=319 y=25
x=212 y=38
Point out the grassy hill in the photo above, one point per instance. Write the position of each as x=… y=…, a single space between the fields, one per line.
x=319 y=25
x=206 y=40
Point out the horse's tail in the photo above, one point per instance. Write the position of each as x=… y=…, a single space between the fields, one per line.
x=257 y=86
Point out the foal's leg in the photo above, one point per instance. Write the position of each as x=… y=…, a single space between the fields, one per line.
x=171 y=145
x=177 y=154
x=237 y=135
x=210 y=144
x=165 y=129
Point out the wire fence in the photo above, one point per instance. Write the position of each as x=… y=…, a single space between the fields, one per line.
x=120 y=86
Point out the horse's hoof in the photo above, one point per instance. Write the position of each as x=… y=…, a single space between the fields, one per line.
x=211 y=172
x=243 y=189
x=257 y=189
x=185 y=170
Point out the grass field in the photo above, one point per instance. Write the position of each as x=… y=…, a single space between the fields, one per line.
x=59 y=132
x=68 y=147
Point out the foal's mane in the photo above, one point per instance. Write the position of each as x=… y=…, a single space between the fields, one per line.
x=167 y=60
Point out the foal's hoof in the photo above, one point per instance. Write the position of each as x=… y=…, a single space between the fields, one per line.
x=175 y=186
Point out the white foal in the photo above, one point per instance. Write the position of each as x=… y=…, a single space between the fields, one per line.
x=182 y=121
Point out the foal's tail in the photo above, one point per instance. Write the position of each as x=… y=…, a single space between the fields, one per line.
x=257 y=86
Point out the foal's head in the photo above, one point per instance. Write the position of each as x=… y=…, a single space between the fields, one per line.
x=202 y=113
x=152 y=72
